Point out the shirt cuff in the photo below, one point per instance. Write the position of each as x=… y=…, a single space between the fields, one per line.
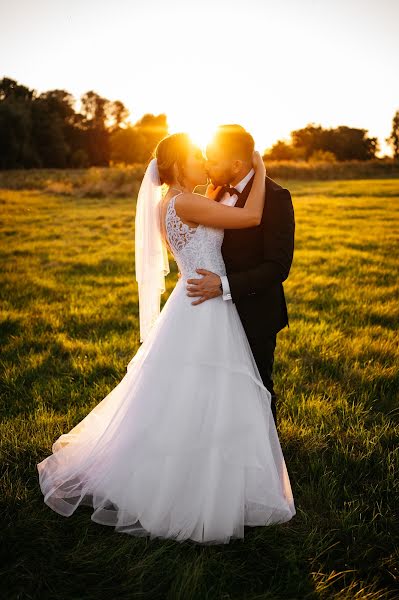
x=226 y=287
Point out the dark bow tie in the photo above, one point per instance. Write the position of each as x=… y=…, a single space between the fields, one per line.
x=230 y=190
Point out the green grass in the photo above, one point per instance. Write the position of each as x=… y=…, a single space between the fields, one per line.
x=69 y=326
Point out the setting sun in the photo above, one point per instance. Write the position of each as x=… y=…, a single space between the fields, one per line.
x=200 y=132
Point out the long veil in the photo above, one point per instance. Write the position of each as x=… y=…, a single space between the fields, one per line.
x=151 y=256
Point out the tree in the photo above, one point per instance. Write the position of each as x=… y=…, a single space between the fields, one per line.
x=117 y=115
x=94 y=112
x=10 y=90
x=36 y=130
x=151 y=129
x=393 y=139
x=53 y=128
x=324 y=156
x=135 y=144
x=346 y=143
x=283 y=151
x=308 y=139
x=16 y=147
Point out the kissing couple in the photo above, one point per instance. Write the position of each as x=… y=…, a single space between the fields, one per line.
x=185 y=446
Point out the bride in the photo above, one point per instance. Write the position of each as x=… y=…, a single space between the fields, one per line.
x=185 y=446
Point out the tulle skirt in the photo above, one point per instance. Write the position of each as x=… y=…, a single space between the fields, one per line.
x=185 y=446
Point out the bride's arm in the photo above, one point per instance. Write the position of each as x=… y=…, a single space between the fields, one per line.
x=199 y=209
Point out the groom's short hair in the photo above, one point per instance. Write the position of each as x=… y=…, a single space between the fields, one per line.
x=235 y=141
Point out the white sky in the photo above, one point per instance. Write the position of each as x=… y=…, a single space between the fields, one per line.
x=271 y=65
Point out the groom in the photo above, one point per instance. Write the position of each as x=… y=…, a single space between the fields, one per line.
x=257 y=259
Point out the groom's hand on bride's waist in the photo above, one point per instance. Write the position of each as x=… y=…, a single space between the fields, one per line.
x=209 y=286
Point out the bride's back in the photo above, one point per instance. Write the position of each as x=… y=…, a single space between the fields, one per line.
x=193 y=247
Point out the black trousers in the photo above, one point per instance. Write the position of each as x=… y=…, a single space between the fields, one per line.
x=263 y=351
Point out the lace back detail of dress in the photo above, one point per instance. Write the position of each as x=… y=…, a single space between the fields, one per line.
x=193 y=247
x=179 y=233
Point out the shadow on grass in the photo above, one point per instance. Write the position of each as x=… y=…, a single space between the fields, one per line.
x=55 y=380
x=335 y=530
x=95 y=328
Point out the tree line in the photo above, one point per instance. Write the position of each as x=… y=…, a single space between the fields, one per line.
x=46 y=131
x=315 y=143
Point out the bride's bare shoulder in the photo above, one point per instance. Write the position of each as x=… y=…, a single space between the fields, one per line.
x=188 y=205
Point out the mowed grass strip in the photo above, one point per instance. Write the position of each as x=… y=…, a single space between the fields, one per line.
x=69 y=326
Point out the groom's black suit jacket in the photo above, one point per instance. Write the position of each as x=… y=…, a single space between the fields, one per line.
x=258 y=260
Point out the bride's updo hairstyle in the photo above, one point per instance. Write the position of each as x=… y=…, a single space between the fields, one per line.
x=172 y=150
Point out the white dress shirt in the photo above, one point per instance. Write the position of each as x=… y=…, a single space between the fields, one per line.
x=231 y=200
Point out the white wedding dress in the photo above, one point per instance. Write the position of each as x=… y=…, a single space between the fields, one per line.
x=185 y=446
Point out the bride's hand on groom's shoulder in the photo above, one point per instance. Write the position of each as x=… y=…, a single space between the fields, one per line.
x=212 y=191
x=258 y=162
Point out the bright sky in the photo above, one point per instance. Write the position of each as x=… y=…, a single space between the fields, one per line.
x=270 y=65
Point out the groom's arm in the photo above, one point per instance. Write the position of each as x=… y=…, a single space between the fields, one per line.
x=278 y=244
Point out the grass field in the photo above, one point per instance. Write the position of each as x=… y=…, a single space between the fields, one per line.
x=69 y=326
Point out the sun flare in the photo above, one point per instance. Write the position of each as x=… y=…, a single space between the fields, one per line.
x=200 y=133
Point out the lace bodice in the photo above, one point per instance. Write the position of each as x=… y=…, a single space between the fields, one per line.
x=194 y=247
